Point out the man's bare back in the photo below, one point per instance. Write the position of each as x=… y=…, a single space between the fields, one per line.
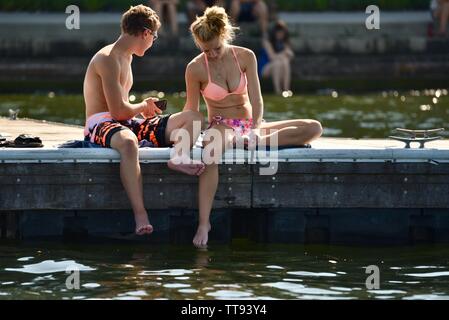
x=97 y=71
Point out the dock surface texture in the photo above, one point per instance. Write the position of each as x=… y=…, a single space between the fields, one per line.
x=339 y=191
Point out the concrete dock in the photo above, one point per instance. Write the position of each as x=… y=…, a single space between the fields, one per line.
x=340 y=191
x=329 y=47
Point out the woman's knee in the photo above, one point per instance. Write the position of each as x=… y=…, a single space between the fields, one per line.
x=277 y=65
x=285 y=62
x=261 y=9
x=315 y=128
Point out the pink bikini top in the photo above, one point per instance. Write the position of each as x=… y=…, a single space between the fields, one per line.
x=215 y=92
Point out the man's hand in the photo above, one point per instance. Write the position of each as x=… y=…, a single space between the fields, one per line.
x=151 y=110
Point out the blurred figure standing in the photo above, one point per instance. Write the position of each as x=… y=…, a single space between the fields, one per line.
x=250 y=10
x=172 y=15
x=440 y=12
x=197 y=7
x=275 y=58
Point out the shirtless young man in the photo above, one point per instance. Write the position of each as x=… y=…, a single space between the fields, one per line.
x=110 y=117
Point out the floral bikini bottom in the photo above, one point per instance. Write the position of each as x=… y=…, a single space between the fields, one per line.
x=243 y=128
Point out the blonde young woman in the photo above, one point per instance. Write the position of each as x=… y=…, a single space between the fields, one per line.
x=226 y=76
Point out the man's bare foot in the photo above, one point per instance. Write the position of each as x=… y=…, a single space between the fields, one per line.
x=202 y=236
x=187 y=166
x=143 y=226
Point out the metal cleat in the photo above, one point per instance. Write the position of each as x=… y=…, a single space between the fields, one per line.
x=419 y=136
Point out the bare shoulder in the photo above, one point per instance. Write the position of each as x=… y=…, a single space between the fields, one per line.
x=246 y=56
x=196 y=67
x=103 y=61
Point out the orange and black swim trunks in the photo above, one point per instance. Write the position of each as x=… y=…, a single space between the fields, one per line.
x=150 y=132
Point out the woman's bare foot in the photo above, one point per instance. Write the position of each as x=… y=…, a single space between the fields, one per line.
x=187 y=166
x=143 y=226
x=202 y=236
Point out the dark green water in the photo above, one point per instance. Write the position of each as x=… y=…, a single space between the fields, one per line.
x=372 y=115
x=238 y=271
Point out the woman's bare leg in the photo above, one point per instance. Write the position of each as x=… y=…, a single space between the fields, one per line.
x=172 y=15
x=191 y=122
x=291 y=132
x=444 y=16
x=261 y=12
x=274 y=69
x=208 y=185
x=286 y=78
x=235 y=10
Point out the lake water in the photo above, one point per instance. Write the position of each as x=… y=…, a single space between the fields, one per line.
x=242 y=270
x=371 y=115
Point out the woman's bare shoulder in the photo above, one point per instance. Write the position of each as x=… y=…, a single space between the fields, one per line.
x=243 y=52
x=196 y=66
x=246 y=56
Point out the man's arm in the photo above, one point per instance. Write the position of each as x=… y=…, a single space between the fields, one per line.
x=255 y=94
x=120 y=109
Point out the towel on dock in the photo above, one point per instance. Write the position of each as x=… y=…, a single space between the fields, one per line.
x=87 y=144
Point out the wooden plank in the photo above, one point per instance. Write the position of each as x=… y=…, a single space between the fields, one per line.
x=357 y=168
x=355 y=195
x=98 y=186
x=65 y=174
x=77 y=197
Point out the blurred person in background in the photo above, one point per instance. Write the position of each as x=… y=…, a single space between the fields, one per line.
x=197 y=7
x=440 y=13
x=171 y=13
x=275 y=58
x=249 y=11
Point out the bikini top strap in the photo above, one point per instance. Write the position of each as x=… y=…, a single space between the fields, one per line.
x=237 y=60
x=207 y=66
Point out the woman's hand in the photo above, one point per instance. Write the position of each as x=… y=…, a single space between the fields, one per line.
x=151 y=110
x=253 y=139
x=256 y=124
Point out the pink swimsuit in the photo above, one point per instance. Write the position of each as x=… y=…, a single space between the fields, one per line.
x=242 y=127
